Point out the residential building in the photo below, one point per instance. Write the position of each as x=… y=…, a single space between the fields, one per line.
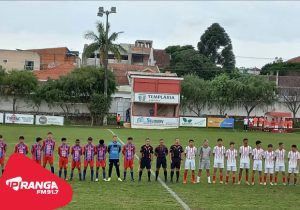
x=19 y=60
x=139 y=53
x=53 y=57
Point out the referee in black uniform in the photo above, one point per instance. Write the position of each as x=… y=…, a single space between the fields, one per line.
x=176 y=151
x=161 y=152
x=146 y=156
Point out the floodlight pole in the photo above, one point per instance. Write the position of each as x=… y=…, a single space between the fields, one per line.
x=100 y=14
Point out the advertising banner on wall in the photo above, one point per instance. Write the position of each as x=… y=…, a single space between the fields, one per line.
x=19 y=118
x=49 y=120
x=193 y=122
x=154 y=122
x=1 y=118
x=214 y=122
x=156 y=98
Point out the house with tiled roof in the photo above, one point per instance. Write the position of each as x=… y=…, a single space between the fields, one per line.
x=55 y=72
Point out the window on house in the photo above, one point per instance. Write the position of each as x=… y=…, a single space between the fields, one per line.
x=29 y=65
x=124 y=57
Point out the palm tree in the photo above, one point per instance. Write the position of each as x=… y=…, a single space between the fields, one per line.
x=99 y=43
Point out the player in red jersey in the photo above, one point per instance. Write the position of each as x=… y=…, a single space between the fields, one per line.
x=101 y=150
x=36 y=151
x=2 y=152
x=48 y=150
x=89 y=151
x=76 y=155
x=63 y=152
x=21 y=148
x=128 y=151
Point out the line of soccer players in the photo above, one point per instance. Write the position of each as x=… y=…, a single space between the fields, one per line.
x=44 y=149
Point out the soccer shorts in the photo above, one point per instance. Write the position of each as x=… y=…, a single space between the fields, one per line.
x=101 y=163
x=280 y=168
x=161 y=162
x=128 y=164
x=48 y=159
x=76 y=164
x=269 y=170
x=245 y=165
x=218 y=165
x=257 y=165
x=89 y=163
x=145 y=163
x=190 y=164
x=231 y=168
x=38 y=161
x=293 y=170
x=2 y=161
x=204 y=164
x=176 y=162
x=63 y=162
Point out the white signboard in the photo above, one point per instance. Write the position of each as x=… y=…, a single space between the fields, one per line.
x=19 y=118
x=49 y=120
x=154 y=122
x=156 y=98
x=193 y=122
x=1 y=118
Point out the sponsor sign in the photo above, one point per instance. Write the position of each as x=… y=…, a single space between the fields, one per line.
x=193 y=122
x=19 y=118
x=154 y=122
x=34 y=187
x=157 y=98
x=220 y=122
x=49 y=120
x=1 y=118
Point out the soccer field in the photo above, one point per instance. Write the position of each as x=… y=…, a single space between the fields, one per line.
x=144 y=195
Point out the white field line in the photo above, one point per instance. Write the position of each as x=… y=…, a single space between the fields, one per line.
x=174 y=195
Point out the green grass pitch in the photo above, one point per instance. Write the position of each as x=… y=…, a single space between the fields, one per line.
x=144 y=195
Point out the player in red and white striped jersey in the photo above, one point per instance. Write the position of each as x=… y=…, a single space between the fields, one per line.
x=218 y=153
x=245 y=153
x=190 y=163
x=269 y=157
x=294 y=162
x=279 y=163
x=257 y=156
x=231 y=155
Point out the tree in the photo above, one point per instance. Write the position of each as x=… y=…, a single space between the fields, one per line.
x=98 y=106
x=252 y=91
x=19 y=84
x=291 y=99
x=189 y=61
x=177 y=48
x=222 y=94
x=216 y=45
x=99 y=43
x=195 y=93
x=283 y=68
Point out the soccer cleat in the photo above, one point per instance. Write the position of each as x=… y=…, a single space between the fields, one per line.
x=247 y=183
x=284 y=184
x=184 y=182
x=239 y=182
x=275 y=184
x=252 y=183
x=119 y=179
x=265 y=183
x=261 y=183
x=132 y=180
x=198 y=179
x=271 y=183
x=66 y=179
x=214 y=182
x=209 y=182
x=96 y=180
x=221 y=182
x=108 y=180
x=226 y=183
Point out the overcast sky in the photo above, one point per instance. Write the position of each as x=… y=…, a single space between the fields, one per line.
x=264 y=30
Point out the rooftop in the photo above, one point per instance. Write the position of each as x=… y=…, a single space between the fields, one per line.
x=54 y=73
